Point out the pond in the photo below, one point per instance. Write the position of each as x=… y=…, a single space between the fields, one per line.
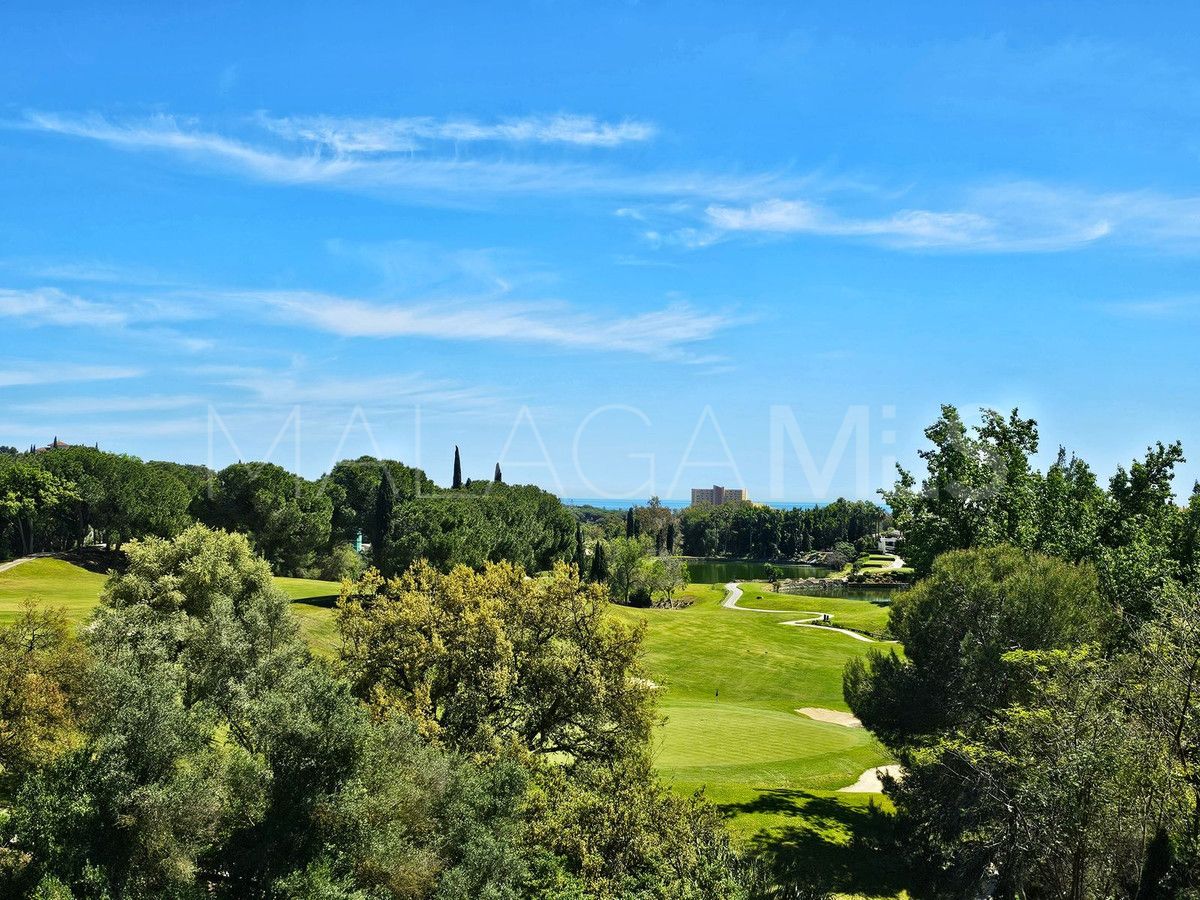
x=720 y=571
x=872 y=593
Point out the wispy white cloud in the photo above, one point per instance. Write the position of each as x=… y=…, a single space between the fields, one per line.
x=350 y=159
x=668 y=333
x=50 y=306
x=32 y=374
x=1003 y=218
x=102 y=404
x=347 y=135
x=1161 y=308
x=288 y=387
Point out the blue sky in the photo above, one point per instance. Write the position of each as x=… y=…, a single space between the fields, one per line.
x=625 y=248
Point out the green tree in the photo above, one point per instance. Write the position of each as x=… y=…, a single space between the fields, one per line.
x=627 y=557
x=29 y=499
x=482 y=659
x=288 y=518
x=957 y=625
x=457 y=481
x=43 y=678
x=599 y=570
x=1053 y=795
x=580 y=555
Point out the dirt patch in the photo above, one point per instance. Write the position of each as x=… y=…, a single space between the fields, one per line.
x=832 y=716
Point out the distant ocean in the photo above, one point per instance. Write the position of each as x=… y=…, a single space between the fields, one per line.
x=609 y=503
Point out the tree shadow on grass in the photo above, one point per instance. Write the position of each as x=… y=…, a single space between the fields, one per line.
x=327 y=601
x=840 y=845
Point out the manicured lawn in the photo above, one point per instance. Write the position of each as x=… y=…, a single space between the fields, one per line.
x=860 y=615
x=58 y=583
x=313 y=603
x=50 y=582
x=730 y=683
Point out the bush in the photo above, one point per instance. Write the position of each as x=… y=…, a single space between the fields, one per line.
x=640 y=596
x=342 y=562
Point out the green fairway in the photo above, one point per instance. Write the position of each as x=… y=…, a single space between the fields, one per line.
x=58 y=583
x=869 y=616
x=49 y=582
x=730 y=683
x=313 y=603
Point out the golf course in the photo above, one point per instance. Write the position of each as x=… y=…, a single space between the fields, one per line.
x=731 y=684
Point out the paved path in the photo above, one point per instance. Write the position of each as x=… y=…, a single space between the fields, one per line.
x=733 y=593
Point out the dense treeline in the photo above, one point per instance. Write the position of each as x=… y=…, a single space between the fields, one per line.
x=1045 y=707
x=64 y=497
x=762 y=532
x=483 y=734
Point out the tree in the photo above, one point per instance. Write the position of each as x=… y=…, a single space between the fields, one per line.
x=599 y=570
x=482 y=659
x=29 y=498
x=630 y=523
x=43 y=673
x=670 y=548
x=625 y=568
x=457 y=480
x=498 y=477
x=381 y=526
x=979 y=489
x=956 y=625
x=288 y=518
x=1028 y=798
x=580 y=556
x=665 y=575
x=774 y=575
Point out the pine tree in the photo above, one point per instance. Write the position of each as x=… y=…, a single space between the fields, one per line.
x=385 y=502
x=580 y=557
x=498 y=478
x=457 y=482
x=599 y=563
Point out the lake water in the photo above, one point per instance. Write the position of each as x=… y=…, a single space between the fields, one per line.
x=719 y=571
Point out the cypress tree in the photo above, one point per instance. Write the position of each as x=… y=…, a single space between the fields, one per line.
x=385 y=502
x=659 y=542
x=580 y=558
x=498 y=478
x=599 y=563
x=457 y=482
x=670 y=538
x=630 y=523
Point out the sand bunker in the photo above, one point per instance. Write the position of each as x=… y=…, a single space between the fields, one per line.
x=832 y=716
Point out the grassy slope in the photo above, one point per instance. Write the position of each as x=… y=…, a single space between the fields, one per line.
x=59 y=583
x=731 y=682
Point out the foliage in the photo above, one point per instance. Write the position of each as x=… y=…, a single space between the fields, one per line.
x=287 y=517
x=43 y=673
x=29 y=498
x=483 y=522
x=746 y=530
x=626 y=571
x=484 y=660
x=1026 y=798
x=956 y=627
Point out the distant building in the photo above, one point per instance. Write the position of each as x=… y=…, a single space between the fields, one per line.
x=717 y=495
x=888 y=541
x=56 y=444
